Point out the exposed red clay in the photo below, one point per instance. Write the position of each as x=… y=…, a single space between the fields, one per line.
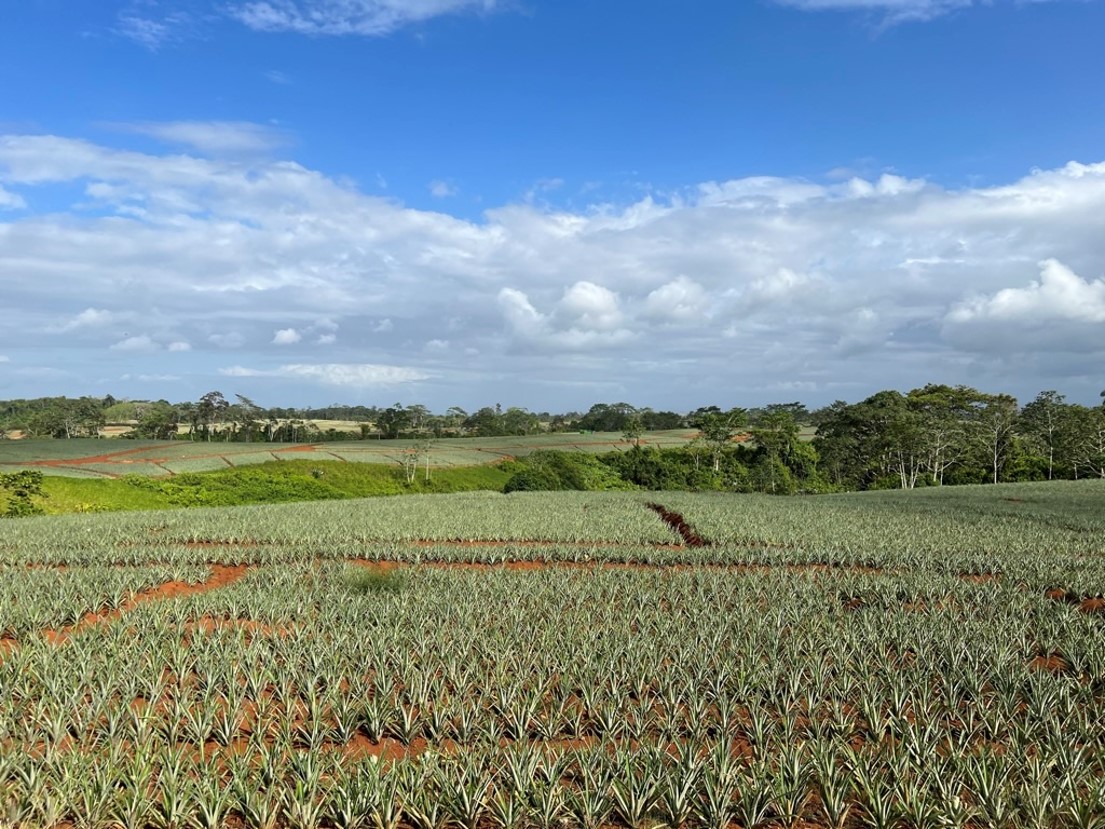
x=388 y=566
x=1094 y=604
x=221 y=576
x=676 y=521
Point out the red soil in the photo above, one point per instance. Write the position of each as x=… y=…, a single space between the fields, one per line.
x=1095 y=604
x=676 y=521
x=221 y=576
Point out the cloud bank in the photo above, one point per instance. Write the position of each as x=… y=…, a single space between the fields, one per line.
x=730 y=291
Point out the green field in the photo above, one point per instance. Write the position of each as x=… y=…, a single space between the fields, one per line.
x=554 y=660
x=92 y=458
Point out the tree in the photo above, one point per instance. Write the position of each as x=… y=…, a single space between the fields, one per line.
x=22 y=488
x=718 y=429
x=393 y=421
x=996 y=419
x=1041 y=422
x=945 y=416
x=159 y=421
x=632 y=432
x=1088 y=440
x=207 y=413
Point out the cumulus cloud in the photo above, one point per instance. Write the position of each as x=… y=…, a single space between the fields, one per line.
x=1060 y=295
x=681 y=300
x=139 y=342
x=179 y=346
x=351 y=375
x=587 y=316
x=872 y=282
x=347 y=17
x=1061 y=311
x=286 y=336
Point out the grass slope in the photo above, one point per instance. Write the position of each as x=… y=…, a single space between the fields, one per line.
x=298 y=480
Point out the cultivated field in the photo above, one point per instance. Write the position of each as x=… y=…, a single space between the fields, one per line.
x=928 y=659
x=92 y=458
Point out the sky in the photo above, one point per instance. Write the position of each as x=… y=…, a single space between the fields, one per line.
x=551 y=203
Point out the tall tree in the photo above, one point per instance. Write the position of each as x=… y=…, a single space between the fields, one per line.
x=1042 y=422
x=996 y=419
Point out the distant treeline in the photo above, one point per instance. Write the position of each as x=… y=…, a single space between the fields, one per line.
x=934 y=435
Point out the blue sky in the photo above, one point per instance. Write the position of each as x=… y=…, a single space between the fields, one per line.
x=551 y=203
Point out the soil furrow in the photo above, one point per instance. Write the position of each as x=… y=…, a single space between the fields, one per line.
x=221 y=576
x=676 y=521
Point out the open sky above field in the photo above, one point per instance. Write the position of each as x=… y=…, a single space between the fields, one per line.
x=550 y=203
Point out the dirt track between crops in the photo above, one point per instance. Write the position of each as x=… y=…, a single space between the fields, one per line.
x=221 y=576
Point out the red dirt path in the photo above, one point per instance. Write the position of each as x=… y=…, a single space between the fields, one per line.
x=221 y=576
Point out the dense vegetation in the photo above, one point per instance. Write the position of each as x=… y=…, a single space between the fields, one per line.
x=925 y=659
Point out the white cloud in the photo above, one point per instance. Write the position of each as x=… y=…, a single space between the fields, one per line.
x=351 y=375
x=443 y=189
x=681 y=300
x=140 y=342
x=326 y=339
x=286 y=336
x=152 y=31
x=179 y=345
x=276 y=76
x=214 y=137
x=4 y=358
x=590 y=307
x=347 y=17
x=881 y=284
x=437 y=345
x=10 y=200
x=88 y=318
x=1060 y=312
x=588 y=316
x=893 y=11
x=1059 y=296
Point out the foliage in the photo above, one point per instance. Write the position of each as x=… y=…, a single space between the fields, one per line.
x=552 y=470
x=21 y=488
x=834 y=666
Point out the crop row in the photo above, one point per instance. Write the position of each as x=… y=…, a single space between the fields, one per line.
x=332 y=695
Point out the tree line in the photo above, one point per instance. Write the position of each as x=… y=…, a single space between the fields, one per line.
x=934 y=435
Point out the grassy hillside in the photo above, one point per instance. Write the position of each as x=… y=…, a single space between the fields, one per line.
x=297 y=480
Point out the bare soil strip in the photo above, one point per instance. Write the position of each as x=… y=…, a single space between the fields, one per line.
x=221 y=576
x=1094 y=605
x=676 y=521
x=682 y=567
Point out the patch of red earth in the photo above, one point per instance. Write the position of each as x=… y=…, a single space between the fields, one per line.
x=221 y=576
x=110 y=457
x=1052 y=663
x=526 y=566
x=459 y=542
x=306 y=447
x=979 y=578
x=1095 y=604
x=676 y=521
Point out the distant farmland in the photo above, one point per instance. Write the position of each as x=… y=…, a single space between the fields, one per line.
x=92 y=458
